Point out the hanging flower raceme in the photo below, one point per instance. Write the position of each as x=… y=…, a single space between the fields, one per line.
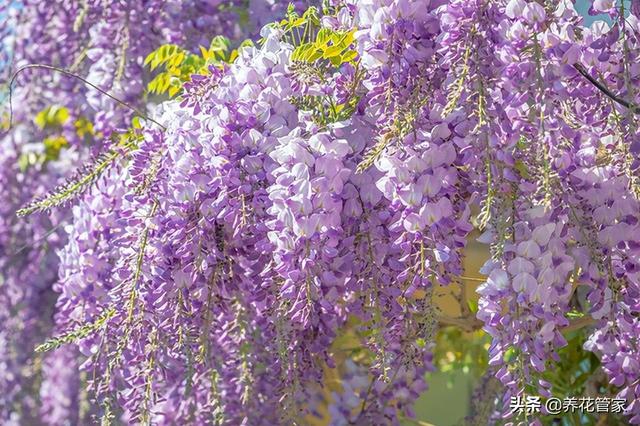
x=316 y=186
x=106 y=44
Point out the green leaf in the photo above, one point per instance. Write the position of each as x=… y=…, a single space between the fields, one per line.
x=522 y=168
x=52 y=147
x=509 y=354
x=178 y=64
x=247 y=43
x=311 y=15
x=324 y=36
x=313 y=55
x=83 y=127
x=473 y=305
x=219 y=46
x=23 y=162
x=52 y=117
x=349 y=56
x=575 y=314
x=333 y=51
x=176 y=60
x=173 y=90
x=335 y=61
x=149 y=58
x=297 y=23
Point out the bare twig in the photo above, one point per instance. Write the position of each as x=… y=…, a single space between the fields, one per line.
x=604 y=89
x=39 y=239
x=84 y=80
x=467 y=323
x=470 y=323
x=579 y=323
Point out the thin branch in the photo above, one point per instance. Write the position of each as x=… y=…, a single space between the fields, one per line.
x=364 y=400
x=415 y=422
x=34 y=243
x=478 y=280
x=604 y=89
x=471 y=323
x=84 y=80
x=579 y=323
x=468 y=323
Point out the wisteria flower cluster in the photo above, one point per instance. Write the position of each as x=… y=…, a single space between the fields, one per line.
x=57 y=124
x=321 y=182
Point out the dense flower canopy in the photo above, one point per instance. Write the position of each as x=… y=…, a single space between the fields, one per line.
x=322 y=180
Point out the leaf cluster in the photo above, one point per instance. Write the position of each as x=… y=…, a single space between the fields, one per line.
x=50 y=121
x=317 y=52
x=333 y=46
x=576 y=375
x=298 y=30
x=52 y=117
x=177 y=65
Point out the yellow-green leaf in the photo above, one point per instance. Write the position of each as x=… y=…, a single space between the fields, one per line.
x=349 y=56
x=173 y=90
x=83 y=127
x=53 y=116
x=53 y=145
